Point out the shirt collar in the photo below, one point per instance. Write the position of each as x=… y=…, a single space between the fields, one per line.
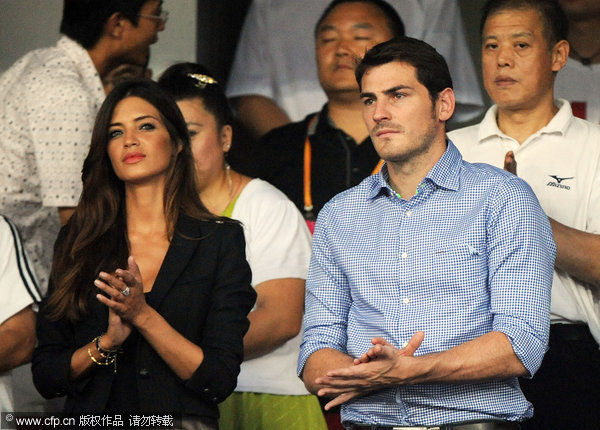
x=444 y=174
x=85 y=67
x=323 y=122
x=557 y=125
x=78 y=54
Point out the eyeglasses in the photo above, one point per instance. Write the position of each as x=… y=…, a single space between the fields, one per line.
x=163 y=16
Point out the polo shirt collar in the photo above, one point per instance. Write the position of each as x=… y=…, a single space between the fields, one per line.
x=323 y=123
x=558 y=124
x=85 y=67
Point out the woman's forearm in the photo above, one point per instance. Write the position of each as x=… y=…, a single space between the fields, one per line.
x=181 y=355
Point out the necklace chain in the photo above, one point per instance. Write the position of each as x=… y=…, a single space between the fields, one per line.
x=232 y=190
x=229 y=181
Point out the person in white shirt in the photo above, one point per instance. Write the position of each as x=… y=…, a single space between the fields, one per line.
x=579 y=80
x=50 y=99
x=19 y=291
x=268 y=394
x=274 y=75
x=536 y=136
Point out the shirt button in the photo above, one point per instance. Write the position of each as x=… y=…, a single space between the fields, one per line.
x=144 y=373
x=406 y=300
x=405 y=344
x=206 y=390
x=408 y=213
x=404 y=255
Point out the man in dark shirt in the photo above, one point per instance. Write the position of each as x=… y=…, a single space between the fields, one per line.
x=330 y=151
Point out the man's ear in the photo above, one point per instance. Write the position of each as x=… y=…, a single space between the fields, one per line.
x=114 y=25
x=445 y=104
x=560 y=55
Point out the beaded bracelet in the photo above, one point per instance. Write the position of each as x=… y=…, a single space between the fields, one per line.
x=105 y=352
x=109 y=356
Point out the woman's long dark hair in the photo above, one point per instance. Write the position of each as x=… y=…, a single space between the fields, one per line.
x=95 y=238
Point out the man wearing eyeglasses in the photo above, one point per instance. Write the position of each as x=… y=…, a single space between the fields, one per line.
x=49 y=101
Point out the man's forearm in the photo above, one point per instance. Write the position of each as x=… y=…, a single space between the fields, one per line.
x=490 y=356
x=319 y=363
x=17 y=339
x=259 y=114
x=578 y=253
x=64 y=214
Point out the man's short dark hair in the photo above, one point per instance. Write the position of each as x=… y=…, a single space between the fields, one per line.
x=431 y=67
x=83 y=20
x=392 y=18
x=556 y=24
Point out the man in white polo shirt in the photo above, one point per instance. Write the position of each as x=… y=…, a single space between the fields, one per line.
x=530 y=133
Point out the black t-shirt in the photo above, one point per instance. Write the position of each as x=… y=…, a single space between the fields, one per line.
x=337 y=161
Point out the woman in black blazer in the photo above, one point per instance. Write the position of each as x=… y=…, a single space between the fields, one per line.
x=149 y=292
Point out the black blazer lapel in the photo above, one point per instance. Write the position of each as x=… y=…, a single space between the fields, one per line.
x=185 y=241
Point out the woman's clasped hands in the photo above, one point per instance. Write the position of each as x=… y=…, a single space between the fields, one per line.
x=125 y=299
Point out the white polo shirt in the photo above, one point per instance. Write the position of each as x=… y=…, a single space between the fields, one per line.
x=561 y=163
x=18 y=289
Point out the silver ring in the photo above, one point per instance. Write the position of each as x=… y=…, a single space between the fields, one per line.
x=125 y=292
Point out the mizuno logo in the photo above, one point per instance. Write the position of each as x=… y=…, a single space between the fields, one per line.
x=559 y=180
x=558 y=184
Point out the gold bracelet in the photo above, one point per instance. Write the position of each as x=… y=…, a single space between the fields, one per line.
x=106 y=362
x=105 y=352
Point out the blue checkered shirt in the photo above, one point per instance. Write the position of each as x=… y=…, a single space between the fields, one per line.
x=471 y=252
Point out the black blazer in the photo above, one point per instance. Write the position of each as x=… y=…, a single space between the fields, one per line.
x=203 y=291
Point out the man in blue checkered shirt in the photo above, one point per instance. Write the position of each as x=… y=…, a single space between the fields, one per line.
x=428 y=292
